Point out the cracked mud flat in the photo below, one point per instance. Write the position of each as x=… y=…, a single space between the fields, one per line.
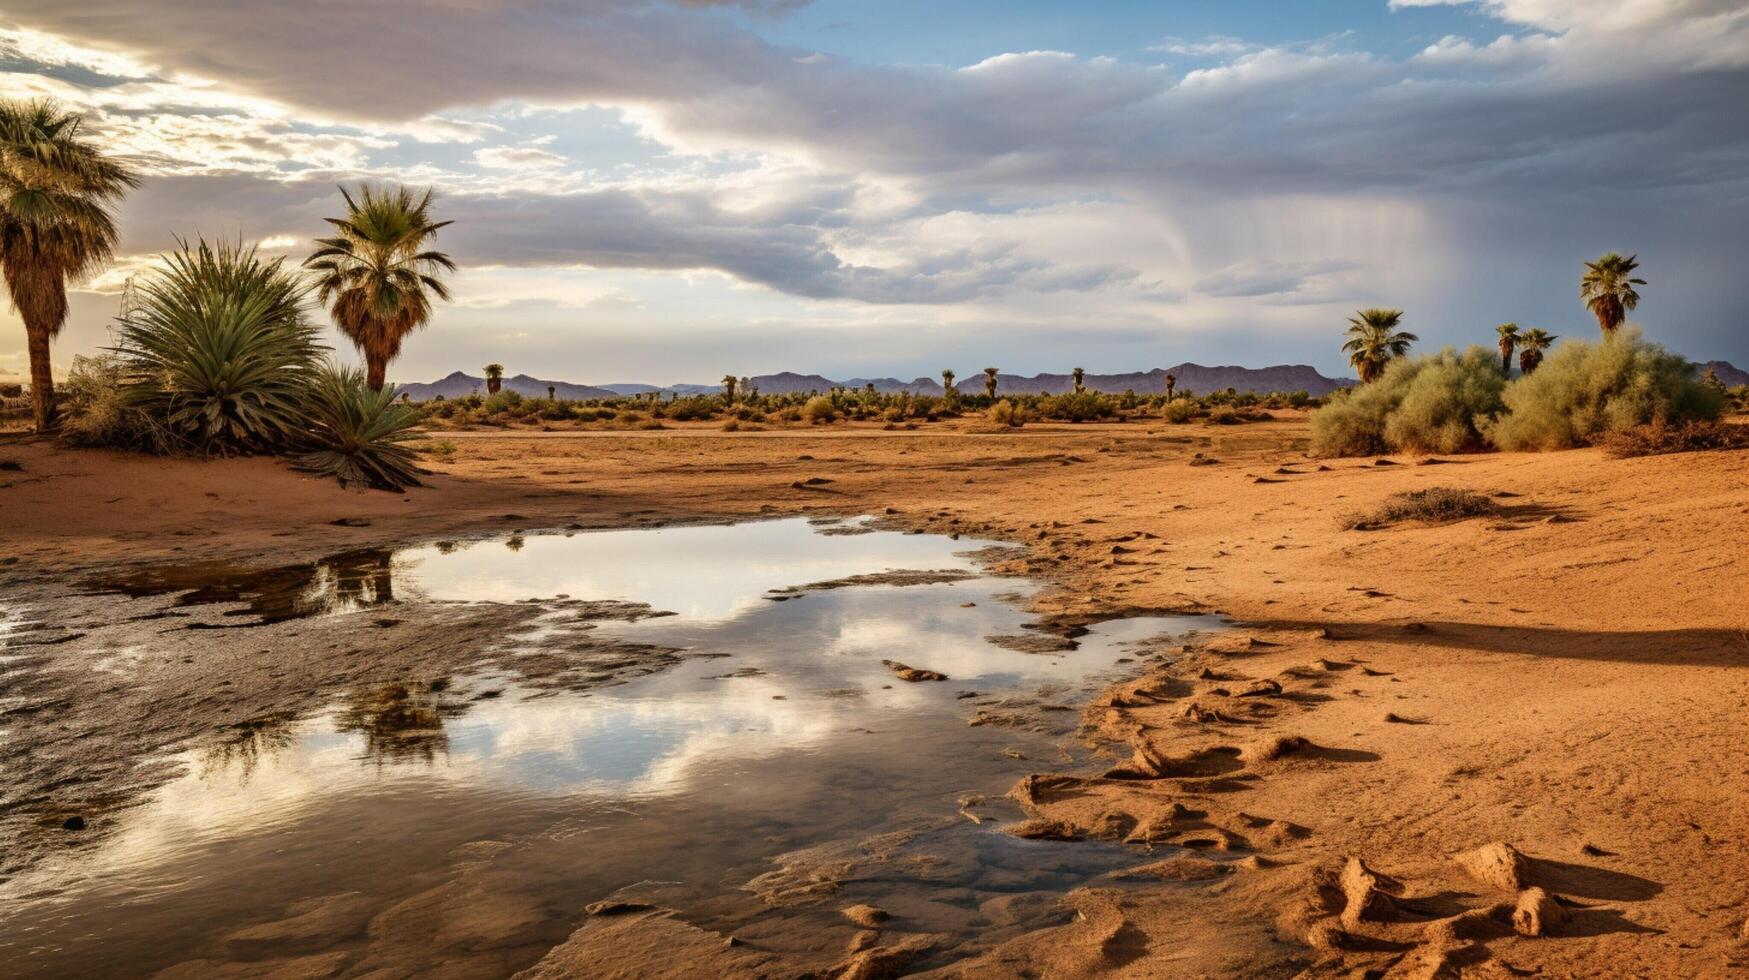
x=441 y=756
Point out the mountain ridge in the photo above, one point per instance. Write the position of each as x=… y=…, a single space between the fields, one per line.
x=1190 y=377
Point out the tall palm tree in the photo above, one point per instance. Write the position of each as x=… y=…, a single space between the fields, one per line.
x=1508 y=342
x=1171 y=383
x=1607 y=287
x=990 y=382
x=1374 y=341
x=494 y=378
x=729 y=382
x=1079 y=374
x=56 y=191
x=1531 y=347
x=380 y=273
x=947 y=382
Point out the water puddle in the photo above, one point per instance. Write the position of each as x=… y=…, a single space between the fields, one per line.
x=777 y=770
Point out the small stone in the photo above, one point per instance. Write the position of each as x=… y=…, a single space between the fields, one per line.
x=867 y=916
x=1537 y=912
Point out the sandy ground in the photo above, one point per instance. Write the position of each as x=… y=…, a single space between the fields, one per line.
x=1561 y=686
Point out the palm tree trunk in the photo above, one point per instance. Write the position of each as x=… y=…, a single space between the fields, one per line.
x=42 y=380
x=375 y=368
x=1505 y=360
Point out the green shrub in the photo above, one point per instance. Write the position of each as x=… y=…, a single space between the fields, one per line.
x=502 y=400
x=357 y=435
x=819 y=409
x=1439 y=403
x=1585 y=390
x=1078 y=406
x=218 y=350
x=693 y=409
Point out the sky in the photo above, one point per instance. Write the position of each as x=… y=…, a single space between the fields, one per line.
x=671 y=190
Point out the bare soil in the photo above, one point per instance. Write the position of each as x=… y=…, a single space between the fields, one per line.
x=1410 y=732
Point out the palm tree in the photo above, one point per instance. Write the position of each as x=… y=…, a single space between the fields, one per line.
x=947 y=383
x=1508 y=341
x=552 y=393
x=56 y=190
x=990 y=382
x=729 y=382
x=494 y=378
x=1171 y=383
x=1608 y=289
x=1531 y=347
x=379 y=272
x=1079 y=373
x=1374 y=340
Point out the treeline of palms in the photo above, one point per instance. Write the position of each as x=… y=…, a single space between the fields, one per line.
x=215 y=351
x=1606 y=287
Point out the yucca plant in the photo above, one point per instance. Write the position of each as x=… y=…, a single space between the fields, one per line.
x=217 y=348
x=358 y=434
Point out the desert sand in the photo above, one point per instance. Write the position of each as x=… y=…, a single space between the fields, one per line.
x=1408 y=733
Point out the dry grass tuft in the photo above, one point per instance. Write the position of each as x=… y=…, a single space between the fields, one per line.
x=1435 y=505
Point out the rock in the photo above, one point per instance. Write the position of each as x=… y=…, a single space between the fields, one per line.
x=351 y=522
x=867 y=916
x=1258 y=688
x=913 y=674
x=1367 y=894
x=1498 y=865
x=1272 y=747
x=1536 y=913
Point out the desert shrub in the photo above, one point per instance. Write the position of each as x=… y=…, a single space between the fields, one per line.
x=1437 y=403
x=218 y=350
x=441 y=448
x=98 y=411
x=357 y=435
x=693 y=409
x=1584 y=390
x=1078 y=406
x=1180 y=410
x=1658 y=437
x=502 y=400
x=1223 y=416
x=1435 y=505
x=1007 y=413
x=819 y=409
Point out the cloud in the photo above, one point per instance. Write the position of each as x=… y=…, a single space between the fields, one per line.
x=518 y=158
x=1253 y=278
x=1035 y=186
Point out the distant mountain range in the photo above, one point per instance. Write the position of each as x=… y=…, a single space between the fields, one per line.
x=1190 y=377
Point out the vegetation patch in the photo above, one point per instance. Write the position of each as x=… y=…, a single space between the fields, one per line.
x=1435 y=505
x=1659 y=437
x=1433 y=404
x=1585 y=391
